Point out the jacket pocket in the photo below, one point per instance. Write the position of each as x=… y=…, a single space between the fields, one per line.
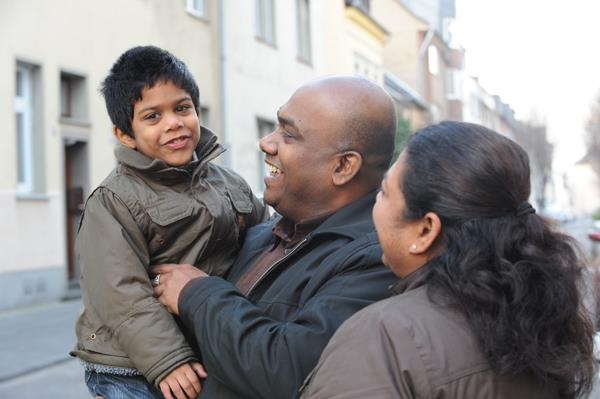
x=169 y=218
x=167 y=212
x=96 y=338
x=242 y=206
x=240 y=199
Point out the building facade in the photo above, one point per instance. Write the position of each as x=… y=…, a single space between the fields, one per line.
x=247 y=57
x=58 y=141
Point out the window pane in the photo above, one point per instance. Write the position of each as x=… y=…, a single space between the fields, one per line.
x=265 y=20
x=65 y=97
x=304 y=52
x=21 y=151
x=264 y=128
x=19 y=83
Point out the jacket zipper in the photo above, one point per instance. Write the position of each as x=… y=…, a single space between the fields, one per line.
x=274 y=265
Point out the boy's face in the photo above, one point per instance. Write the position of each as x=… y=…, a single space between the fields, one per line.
x=165 y=125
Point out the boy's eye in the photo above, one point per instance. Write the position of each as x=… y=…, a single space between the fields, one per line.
x=151 y=116
x=181 y=108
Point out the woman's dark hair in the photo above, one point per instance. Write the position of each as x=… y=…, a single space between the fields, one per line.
x=137 y=69
x=517 y=281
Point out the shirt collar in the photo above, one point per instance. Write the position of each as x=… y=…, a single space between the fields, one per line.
x=291 y=233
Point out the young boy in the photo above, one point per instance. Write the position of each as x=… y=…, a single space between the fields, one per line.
x=165 y=202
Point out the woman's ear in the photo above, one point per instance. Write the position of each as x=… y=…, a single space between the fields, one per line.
x=428 y=230
x=124 y=138
x=348 y=164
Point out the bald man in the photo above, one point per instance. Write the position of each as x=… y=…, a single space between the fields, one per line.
x=299 y=276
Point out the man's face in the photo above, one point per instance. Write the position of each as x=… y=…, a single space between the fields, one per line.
x=300 y=156
x=165 y=125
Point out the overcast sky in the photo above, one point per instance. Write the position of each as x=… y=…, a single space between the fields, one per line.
x=540 y=56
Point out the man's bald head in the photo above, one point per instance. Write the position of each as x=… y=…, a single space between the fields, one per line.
x=366 y=116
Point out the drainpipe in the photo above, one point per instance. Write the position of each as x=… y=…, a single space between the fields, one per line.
x=421 y=57
x=223 y=84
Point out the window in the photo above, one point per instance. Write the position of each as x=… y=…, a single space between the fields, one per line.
x=265 y=21
x=73 y=99
x=197 y=8
x=303 y=22
x=432 y=55
x=25 y=82
x=363 y=5
x=454 y=84
x=204 y=116
x=366 y=68
x=264 y=128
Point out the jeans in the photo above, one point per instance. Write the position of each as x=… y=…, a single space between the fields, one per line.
x=112 y=386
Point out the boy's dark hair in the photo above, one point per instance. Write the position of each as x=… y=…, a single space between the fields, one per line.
x=139 y=68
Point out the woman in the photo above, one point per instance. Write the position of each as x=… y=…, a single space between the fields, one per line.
x=488 y=305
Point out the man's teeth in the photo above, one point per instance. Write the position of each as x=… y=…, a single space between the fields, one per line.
x=273 y=170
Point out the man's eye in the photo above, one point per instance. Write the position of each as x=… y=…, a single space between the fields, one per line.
x=151 y=116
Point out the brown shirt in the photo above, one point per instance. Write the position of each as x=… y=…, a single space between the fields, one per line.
x=288 y=237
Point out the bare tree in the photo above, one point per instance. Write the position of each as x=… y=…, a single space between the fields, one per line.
x=592 y=137
x=532 y=136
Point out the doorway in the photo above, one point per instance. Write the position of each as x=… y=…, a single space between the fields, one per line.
x=76 y=190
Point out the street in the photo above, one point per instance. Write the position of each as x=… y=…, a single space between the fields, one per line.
x=63 y=380
x=34 y=352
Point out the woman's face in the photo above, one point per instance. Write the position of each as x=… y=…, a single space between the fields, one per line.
x=396 y=235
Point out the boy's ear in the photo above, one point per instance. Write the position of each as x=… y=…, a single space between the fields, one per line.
x=124 y=138
x=347 y=166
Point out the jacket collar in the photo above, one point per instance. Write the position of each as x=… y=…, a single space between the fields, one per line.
x=353 y=221
x=414 y=280
x=350 y=221
x=207 y=150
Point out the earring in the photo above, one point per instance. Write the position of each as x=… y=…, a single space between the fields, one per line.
x=413 y=248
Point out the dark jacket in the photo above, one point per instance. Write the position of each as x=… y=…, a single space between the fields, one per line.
x=265 y=345
x=145 y=213
x=410 y=347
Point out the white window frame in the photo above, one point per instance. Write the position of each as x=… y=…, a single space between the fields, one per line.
x=196 y=8
x=303 y=30
x=265 y=21
x=24 y=107
x=263 y=128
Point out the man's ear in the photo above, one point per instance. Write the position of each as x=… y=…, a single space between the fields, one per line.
x=348 y=163
x=428 y=230
x=124 y=138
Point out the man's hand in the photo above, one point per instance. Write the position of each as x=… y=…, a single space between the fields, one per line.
x=172 y=278
x=183 y=382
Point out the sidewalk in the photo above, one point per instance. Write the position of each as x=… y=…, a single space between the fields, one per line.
x=36 y=337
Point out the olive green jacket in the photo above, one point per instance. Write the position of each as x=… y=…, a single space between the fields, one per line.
x=146 y=213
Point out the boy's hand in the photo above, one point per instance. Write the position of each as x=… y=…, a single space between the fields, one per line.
x=172 y=278
x=183 y=382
